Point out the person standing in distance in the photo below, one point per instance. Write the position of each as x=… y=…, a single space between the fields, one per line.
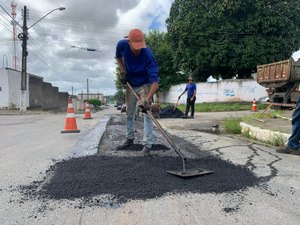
x=191 y=97
x=138 y=67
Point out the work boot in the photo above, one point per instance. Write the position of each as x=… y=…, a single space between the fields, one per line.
x=127 y=143
x=145 y=151
x=287 y=150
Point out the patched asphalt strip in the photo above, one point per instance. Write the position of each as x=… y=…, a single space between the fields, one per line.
x=139 y=147
x=138 y=178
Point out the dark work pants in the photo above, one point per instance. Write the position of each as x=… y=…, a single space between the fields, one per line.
x=189 y=104
x=294 y=139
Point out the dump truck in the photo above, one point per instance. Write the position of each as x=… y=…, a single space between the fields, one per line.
x=281 y=80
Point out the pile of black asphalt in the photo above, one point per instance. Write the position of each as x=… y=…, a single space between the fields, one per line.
x=170 y=112
x=138 y=178
x=127 y=178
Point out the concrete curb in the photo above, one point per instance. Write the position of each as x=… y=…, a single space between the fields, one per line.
x=283 y=117
x=263 y=135
x=89 y=143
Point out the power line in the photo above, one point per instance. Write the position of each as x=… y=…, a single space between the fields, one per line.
x=42 y=52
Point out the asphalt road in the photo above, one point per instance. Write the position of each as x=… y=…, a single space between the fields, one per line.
x=40 y=169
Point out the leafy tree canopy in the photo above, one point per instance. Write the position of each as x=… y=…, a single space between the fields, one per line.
x=163 y=54
x=230 y=37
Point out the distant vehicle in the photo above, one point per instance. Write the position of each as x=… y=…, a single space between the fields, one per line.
x=282 y=80
x=118 y=104
x=264 y=99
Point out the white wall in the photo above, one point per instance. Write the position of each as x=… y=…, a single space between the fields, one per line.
x=222 y=91
x=10 y=81
x=4 y=90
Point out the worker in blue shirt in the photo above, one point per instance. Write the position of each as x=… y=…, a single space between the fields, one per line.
x=137 y=67
x=191 y=97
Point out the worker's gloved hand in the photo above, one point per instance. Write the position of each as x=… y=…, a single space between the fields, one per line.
x=123 y=77
x=145 y=106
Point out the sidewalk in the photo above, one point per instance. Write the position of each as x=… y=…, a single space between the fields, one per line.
x=265 y=129
x=270 y=130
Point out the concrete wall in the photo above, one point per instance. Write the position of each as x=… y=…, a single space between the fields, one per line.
x=78 y=104
x=63 y=101
x=4 y=90
x=36 y=92
x=84 y=96
x=10 y=83
x=222 y=91
x=39 y=94
x=50 y=100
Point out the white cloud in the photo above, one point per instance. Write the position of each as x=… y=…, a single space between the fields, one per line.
x=57 y=44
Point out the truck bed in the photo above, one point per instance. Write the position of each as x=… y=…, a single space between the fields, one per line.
x=282 y=72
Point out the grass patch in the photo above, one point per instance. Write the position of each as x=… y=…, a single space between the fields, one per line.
x=220 y=106
x=277 y=140
x=232 y=125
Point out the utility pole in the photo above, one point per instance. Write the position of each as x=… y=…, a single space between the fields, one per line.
x=13 y=13
x=24 y=36
x=87 y=88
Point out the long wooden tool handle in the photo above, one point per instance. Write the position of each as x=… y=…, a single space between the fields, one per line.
x=176 y=104
x=177 y=150
x=266 y=109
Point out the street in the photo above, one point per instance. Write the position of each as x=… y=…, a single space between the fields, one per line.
x=53 y=178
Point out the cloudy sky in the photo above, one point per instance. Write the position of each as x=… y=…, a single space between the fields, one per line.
x=58 y=44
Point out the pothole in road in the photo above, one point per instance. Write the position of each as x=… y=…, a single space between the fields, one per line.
x=137 y=178
x=110 y=180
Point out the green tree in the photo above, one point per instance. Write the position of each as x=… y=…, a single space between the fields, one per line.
x=163 y=54
x=230 y=37
x=120 y=94
x=95 y=102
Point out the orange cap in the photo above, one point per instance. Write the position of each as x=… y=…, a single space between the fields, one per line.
x=137 y=39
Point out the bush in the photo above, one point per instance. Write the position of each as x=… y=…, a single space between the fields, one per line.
x=95 y=102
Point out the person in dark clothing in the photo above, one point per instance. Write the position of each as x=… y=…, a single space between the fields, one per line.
x=191 y=97
x=293 y=145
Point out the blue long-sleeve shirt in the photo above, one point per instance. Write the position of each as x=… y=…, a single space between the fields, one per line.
x=141 y=69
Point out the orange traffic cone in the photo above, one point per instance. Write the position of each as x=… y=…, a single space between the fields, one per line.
x=87 y=114
x=254 y=109
x=71 y=126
